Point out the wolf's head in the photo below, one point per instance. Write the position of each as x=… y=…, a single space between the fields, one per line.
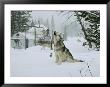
x=57 y=37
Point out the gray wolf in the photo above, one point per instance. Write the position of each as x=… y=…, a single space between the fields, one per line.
x=62 y=54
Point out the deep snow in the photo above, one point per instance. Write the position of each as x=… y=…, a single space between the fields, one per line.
x=36 y=62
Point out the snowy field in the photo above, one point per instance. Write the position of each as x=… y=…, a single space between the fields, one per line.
x=36 y=62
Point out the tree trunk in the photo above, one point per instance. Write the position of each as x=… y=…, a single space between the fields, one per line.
x=35 y=36
x=25 y=38
x=52 y=40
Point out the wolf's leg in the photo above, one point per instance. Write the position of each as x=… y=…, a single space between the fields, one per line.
x=78 y=60
x=60 y=58
x=74 y=60
x=57 y=59
x=59 y=62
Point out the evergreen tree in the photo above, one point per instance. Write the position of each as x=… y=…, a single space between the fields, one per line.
x=90 y=24
x=92 y=32
x=18 y=20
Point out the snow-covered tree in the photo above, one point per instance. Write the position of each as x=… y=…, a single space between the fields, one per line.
x=90 y=25
x=92 y=31
x=18 y=20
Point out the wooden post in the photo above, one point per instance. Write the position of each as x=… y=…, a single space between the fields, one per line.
x=35 y=36
x=39 y=23
x=25 y=38
x=52 y=40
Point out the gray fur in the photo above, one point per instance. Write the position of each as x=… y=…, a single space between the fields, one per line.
x=62 y=54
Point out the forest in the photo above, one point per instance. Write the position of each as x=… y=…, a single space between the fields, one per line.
x=89 y=22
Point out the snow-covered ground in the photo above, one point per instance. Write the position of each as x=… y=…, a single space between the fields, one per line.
x=36 y=62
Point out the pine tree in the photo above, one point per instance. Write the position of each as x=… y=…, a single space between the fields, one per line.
x=18 y=20
x=92 y=32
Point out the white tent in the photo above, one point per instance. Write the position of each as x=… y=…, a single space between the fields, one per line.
x=18 y=40
x=18 y=35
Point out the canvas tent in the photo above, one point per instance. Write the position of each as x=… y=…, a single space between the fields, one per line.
x=18 y=41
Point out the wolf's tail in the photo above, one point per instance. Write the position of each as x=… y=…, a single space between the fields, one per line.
x=75 y=60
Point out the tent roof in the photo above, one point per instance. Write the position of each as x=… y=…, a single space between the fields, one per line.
x=18 y=35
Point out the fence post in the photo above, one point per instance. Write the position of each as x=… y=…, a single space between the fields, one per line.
x=35 y=36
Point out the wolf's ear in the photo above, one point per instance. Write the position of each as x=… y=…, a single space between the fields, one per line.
x=54 y=32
